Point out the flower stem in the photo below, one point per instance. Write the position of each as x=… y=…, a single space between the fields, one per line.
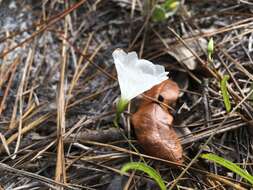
x=121 y=106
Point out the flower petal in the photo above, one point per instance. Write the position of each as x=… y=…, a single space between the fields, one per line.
x=135 y=75
x=119 y=55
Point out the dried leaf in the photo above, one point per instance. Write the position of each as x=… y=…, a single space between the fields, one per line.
x=184 y=55
x=153 y=123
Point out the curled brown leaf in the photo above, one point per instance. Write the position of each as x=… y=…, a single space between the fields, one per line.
x=153 y=123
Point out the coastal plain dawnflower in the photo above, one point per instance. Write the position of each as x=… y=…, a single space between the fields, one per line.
x=135 y=76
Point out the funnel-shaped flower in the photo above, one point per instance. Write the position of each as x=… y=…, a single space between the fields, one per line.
x=135 y=75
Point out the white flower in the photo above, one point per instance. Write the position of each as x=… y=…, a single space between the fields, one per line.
x=135 y=75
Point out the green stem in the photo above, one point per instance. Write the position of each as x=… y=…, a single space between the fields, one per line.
x=121 y=106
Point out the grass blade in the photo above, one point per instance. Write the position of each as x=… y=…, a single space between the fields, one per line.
x=224 y=93
x=229 y=165
x=147 y=169
x=210 y=49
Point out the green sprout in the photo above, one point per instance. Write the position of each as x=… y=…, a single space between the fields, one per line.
x=224 y=92
x=121 y=106
x=165 y=10
x=210 y=49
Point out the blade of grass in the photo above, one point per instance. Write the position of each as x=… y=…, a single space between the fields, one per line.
x=210 y=48
x=147 y=169
x=229 y=165
x=224 y=92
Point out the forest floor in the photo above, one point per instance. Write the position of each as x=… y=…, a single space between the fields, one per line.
x=58 y=90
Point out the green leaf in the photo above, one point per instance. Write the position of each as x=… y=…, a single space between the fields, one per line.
x=163 y=11
x=159 y=14
x=224 y=93
x=229 y=165
x=147 y=169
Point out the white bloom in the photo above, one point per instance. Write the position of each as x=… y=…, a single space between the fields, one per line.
x=135 y=75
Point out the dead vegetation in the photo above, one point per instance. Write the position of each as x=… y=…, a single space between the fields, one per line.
x=58 y=89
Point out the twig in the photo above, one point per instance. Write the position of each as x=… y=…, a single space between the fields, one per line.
x=47 y=181
x=60 y=171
